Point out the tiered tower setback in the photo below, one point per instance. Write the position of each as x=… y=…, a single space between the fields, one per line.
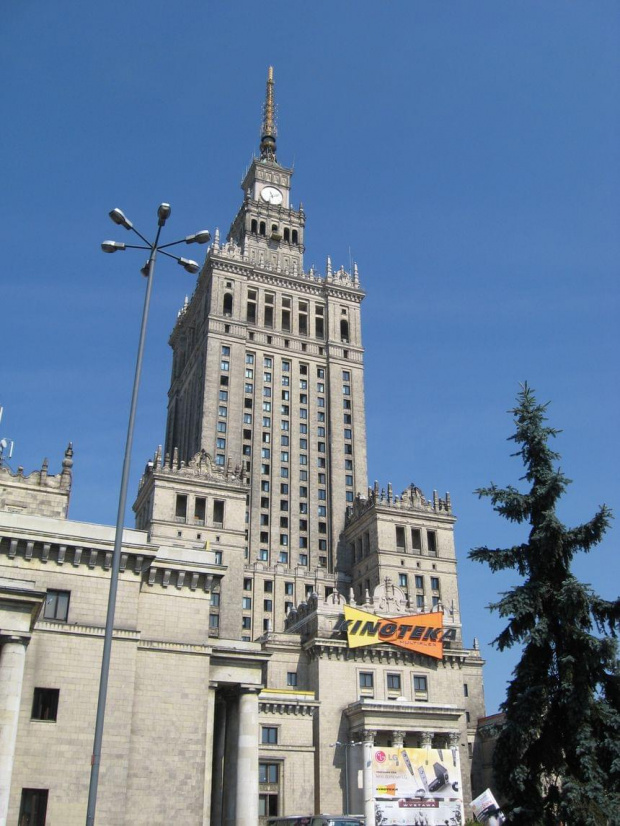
x=268 y=376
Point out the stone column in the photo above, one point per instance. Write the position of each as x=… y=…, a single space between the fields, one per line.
x=219 y=745
x=231 y=777
x=209 y=756
x=369 y=786
x=453 y=739
x=398 y=739
x=247 y=759
x=426 y=739
x=12 y=661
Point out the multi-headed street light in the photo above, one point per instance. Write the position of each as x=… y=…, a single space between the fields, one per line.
x=203 y=237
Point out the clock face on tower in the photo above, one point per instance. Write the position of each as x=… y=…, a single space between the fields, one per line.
x=271 y=194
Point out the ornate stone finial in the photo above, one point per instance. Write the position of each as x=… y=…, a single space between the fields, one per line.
x=216 y=239
x=356 y=277
x=389 y=492
x=44 y=469
x=268 y=129
x=175 y=458
x=329 y=268
x=157 y=459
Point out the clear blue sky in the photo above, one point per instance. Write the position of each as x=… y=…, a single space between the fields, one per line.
x=465 y=154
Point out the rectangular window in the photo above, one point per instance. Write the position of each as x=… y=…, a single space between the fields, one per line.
x=215 y=599
x=431 y=539
x=434 y=583
x=267 y=805
x=180 y=512
x=200 y=509
x=465 y=690
x=214 y=621
x=291 y=678
x=269 y=735
x=246 y=623
x=57 y=605
x=267 y=605
x=268 y=772
x=224 y=366
x=247 y=584
x=393 y=682
x=251 y=307
x=367 y=680
x=402 y=580
x=218 y=512
x=45 y=704
x=303 y=318
x=419 y=582
x=33 y=807
x=303 y=559
x=221 y=428
x=269 y=298
x=288 y=588
x=247 y=603
x=416 y=541
x=420 y=687
x=400 y=537
x=223 y=395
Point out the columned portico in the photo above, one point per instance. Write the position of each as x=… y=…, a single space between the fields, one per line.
x=12 y=662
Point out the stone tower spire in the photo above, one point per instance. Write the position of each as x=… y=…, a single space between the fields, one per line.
x=268 y=129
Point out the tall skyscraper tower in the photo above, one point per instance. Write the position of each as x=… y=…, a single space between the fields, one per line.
x=268 y=376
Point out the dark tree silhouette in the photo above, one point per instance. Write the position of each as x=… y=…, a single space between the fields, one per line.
x=557 y=759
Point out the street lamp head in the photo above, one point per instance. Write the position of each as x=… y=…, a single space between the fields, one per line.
x=163 y=213
x=189 y=265
x=112 y=246
x=202 y=237
x=118 y=217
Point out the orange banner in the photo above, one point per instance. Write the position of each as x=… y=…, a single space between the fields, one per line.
x=423 y=633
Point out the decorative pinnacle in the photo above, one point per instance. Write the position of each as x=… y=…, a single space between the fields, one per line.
x=268 y=129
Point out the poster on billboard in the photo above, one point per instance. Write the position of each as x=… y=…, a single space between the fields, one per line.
x=486 y=810
x=417 y=787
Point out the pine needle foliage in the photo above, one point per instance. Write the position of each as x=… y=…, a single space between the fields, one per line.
x=557 y=759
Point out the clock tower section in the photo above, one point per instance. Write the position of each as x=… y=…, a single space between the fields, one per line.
x=268 y=230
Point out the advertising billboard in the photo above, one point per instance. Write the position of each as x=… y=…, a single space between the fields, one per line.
x=424 y=633
x=417 y=787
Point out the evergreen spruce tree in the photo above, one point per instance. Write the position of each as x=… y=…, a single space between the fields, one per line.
x=557 y=759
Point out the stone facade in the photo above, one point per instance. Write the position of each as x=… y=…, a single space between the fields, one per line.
x=233 y=693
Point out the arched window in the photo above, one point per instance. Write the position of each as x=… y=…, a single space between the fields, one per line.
x=295 y=241
x=344 y=330
x=262 y=228
x=254 y=226
x=287 y=234
x=228 y=304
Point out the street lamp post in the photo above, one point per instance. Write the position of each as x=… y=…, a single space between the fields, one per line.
x=163 y=213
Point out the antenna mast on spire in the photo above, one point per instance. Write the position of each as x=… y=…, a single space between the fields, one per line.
x=268 y=130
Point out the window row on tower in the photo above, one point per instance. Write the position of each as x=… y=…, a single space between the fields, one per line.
x=285 y=313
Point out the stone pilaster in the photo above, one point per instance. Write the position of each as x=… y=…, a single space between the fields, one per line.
x=12 y=661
